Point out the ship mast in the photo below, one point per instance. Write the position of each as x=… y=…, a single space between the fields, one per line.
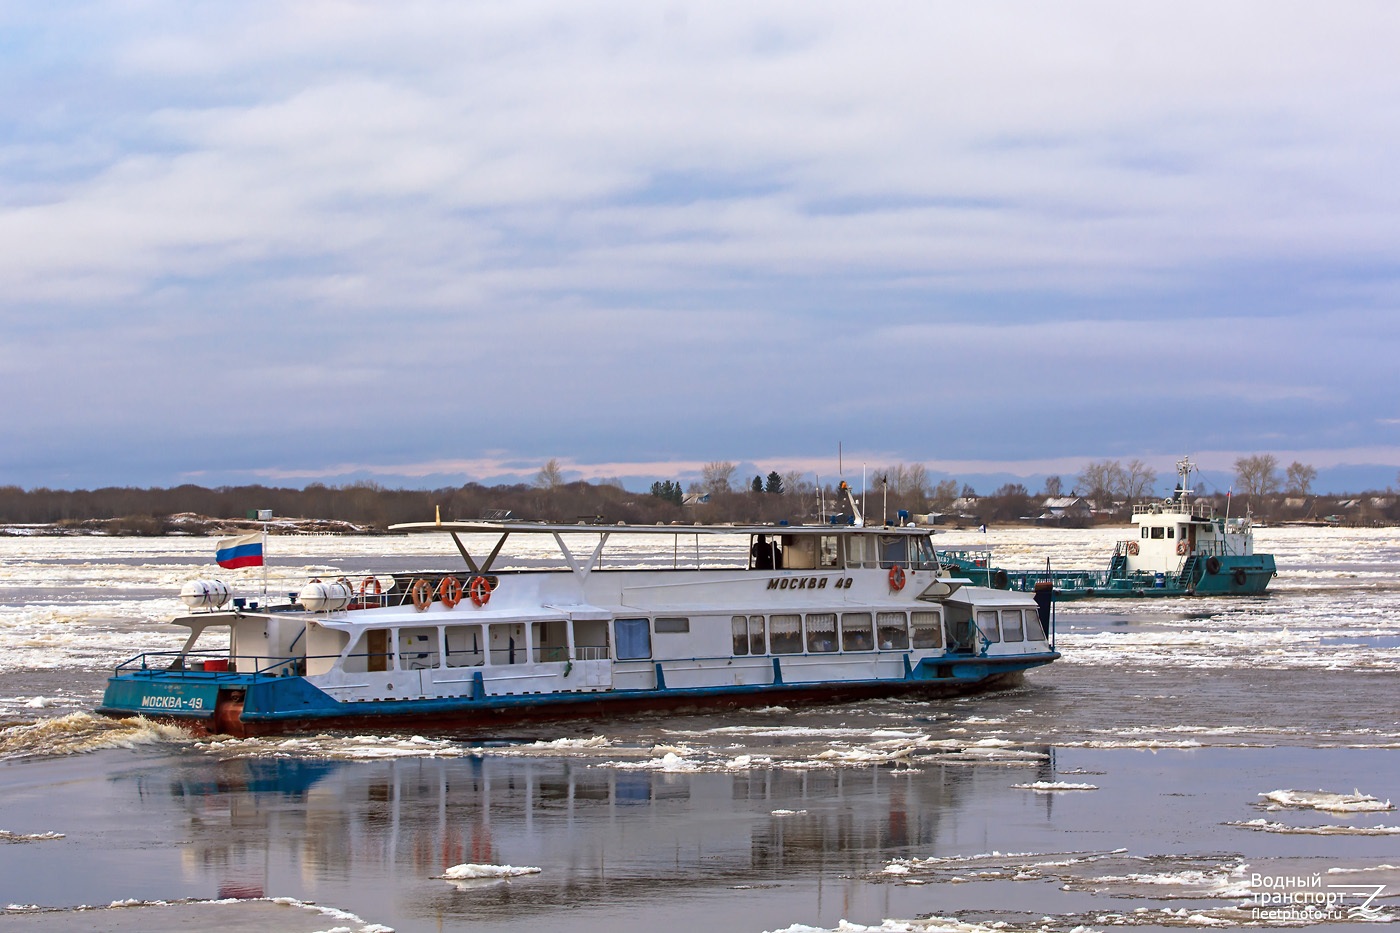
x=1184 y=492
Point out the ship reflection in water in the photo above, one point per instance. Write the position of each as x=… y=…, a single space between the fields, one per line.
x=377 y=837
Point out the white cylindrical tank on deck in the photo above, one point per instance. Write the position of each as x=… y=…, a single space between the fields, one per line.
x=325 y=597
x=205 y=594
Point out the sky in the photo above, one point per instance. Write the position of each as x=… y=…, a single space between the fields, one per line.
x=423 y=244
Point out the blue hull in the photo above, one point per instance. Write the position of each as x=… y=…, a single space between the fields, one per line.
x=245 y=704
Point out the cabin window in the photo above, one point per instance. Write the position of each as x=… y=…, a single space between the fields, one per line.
x=508 y=643
x=371 y=654
x=633 y=639
x=756 y=639
x=821 y=632
x=764 y=553
x=1171 y=532
x=551 y=640
x=1011 y=629
x=829 y=555
x=418 y=648
x=464 y=646
x=928 y=628
x=987 y=625
x=785 y=633
x=856 y=634
x=1144 y=531
x=1034 y=630
x=892 y=631
x=1157 y=531
x=799 y=552
x=672 y=625
x=739 y=626
x=748 y=634
x=590 y=640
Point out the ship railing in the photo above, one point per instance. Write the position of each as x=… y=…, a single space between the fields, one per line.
x=1173 y=507
x=201 y=664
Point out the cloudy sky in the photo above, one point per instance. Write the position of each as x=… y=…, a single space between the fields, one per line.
x=426 y=243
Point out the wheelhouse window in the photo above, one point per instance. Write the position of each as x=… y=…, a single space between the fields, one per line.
x=987 y=625
x=829 y=552
x=921 y=556
x=861 y=551
x=633 y=638
x=892 y=630
x=1144 y=531
x=1011 y=628
x=856 y=634
x=821 y=632
x=894 y=549
x=1158 y=531
x=785 y=633
x=1171 y=532
x=928 y=628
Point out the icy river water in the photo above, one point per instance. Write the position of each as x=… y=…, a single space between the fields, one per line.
x=1189 y=763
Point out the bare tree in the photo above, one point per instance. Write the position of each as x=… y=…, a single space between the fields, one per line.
x=1103 y=479
x=945 y=492
x=1301 y=477
x=1257 y=475
x=550 y=476
x=1139 y=480
x=1054 y=487
x=716 y=476
x=795 y=484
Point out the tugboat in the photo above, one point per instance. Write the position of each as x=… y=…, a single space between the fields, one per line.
x=1181 y=548
x=773 y=614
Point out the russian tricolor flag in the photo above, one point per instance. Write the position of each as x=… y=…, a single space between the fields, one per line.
x=246 y=551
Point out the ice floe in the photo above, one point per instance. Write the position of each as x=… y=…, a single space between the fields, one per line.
x=1333 y=829
x=1355 y=802
x=471 y=872
x=1055 y=785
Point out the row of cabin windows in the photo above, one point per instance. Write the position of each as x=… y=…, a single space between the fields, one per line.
x=819 y=632
x=1159 y=532
x=500 y=643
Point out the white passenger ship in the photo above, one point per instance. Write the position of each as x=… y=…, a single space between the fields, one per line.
x=815 y=613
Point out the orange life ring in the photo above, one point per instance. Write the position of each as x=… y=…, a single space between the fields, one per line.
x=896 y=578
x=421 y=593
x=1132 y=548
x=1183 y=548
x=368 y=584
x=479 y=590
x=449 y=591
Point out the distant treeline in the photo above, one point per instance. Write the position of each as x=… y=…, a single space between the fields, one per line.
x=126 y=510
x=145 y=511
